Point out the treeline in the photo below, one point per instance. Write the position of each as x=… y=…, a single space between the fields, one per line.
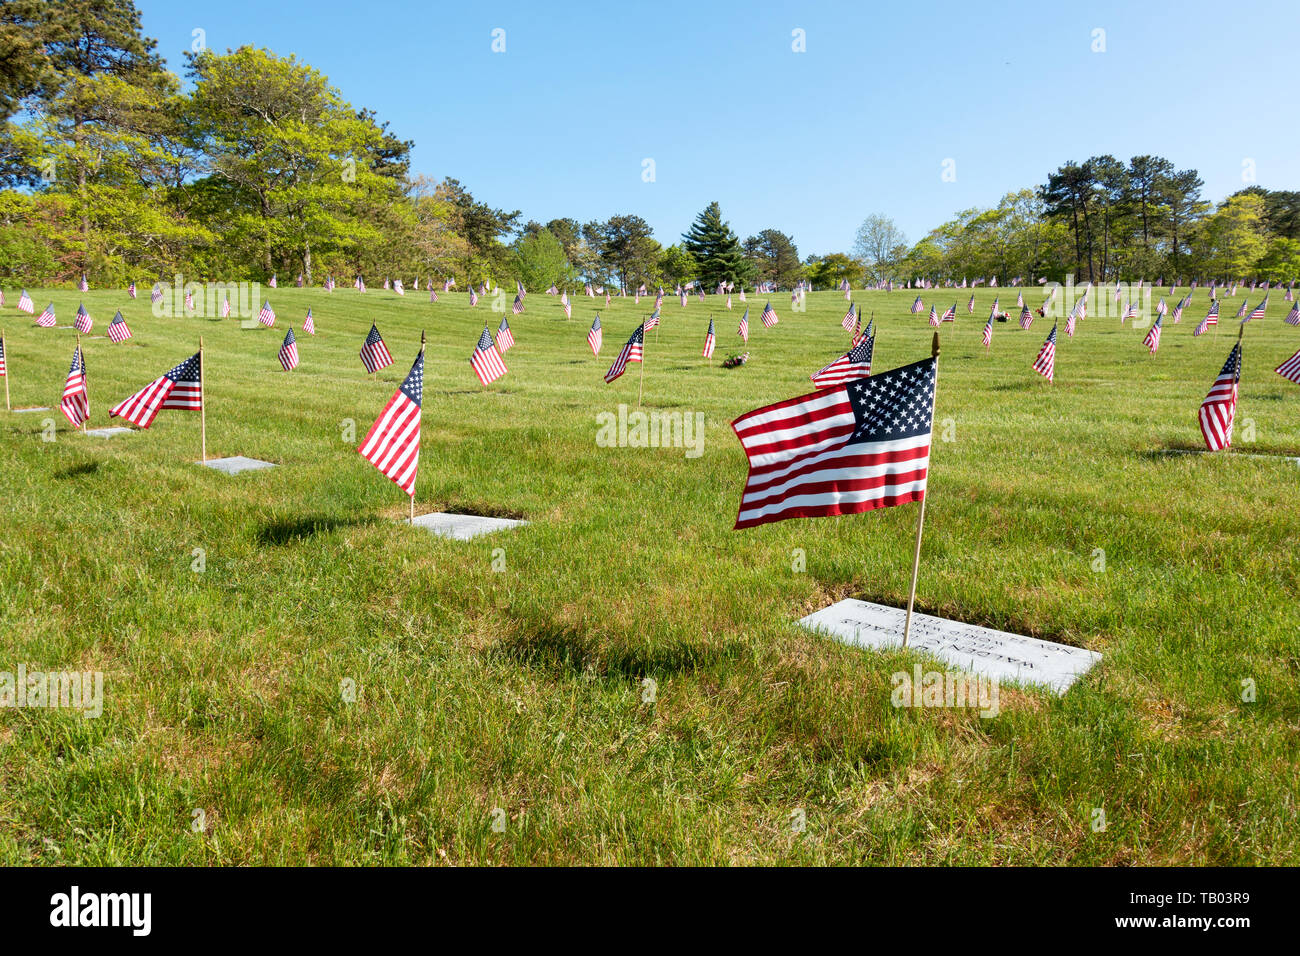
x=260 y=167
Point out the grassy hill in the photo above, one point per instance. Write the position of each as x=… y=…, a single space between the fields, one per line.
x=524 y=689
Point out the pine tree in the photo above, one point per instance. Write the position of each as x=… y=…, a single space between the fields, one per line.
x=716 y=249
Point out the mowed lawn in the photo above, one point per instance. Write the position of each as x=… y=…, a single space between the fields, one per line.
x=503 y=716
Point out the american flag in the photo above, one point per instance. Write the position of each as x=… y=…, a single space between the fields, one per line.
x=118 y=330
x=399 y=288
x=130 y=290
x=1245 y=304
x=1293 y=317
x=309 y=324
x=768 y=315
x=393 y=443
x=46 y=318
x=505 y=340
x=473 y=296
x=743 y=329
x=155 y=293
x=934 y=317
x=682 y=295
x=299 y=283
x=917 y=305
x=652 y=322
x=289 y=351
x=4 y=369
x=181 y=389
x=83 y=323
x=595 y=336
x=1045 y=363
x=272 y=282
x=855 y=447
x=631 y=352
x=25 y=303
x=568 y=306
x=659 y=298
x=486 y=360
x=1026 y=316
x=189 y=301
x=1161 y=308
x=1130 y=312
x=855 y=363
x=709 y=340
x=75 y=403
x=1219 y=409
x=1152 y=339
x=1258 y=311
x=988 y=331
x=83 y=285
x=374 y=353
x=329 y=283
x=518 y=304
x=950 y=313
x=1290 y=369
x=1211 y=318
x=359 y=284
x=225 y=306
x=850 y=319
x=267 y=315
x=433 y=293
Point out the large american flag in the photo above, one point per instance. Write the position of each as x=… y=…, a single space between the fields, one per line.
x=25 y=303
x=709 y=340
x=46 y=319
x=393 y=443
x=486 y=360
x=855 y=363
x=83 y=323
x=743 y=329
x=309 y=324
x=289 y=351
x=768 y=315
x=1211 y=318
x=267 y=315
x=505 y=339
x=75 y=404
x=181 y=389
x=1290 y=369
x=374 y=353
x=595 y=336
x=1219 y=409
x=1152 y=338
x=118 y=330
x=631 y=352
x=1045 y=363
x=855 y=447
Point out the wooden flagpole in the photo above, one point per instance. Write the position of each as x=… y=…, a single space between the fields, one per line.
x=203 y=405
x=920 y=518
x=8 y=408
x=413 y=486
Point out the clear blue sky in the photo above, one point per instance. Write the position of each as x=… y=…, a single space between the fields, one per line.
x=809 y=143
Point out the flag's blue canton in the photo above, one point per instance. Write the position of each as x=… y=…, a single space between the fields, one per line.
x=187 y=371
x=288 y=338
x=413 y=387
x=373 y=336
x=895 y=404
x=596 y=325
x=485 y=340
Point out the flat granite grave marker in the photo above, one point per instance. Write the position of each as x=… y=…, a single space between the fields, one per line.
x=233 y=466
x=463 y=527
x=998 y=654
x=40 y=408
x=108 y=432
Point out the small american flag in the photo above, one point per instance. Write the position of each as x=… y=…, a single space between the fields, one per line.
x=83 y=285
x=855 y=363
x=118 y=330
x=289 y=351
x=631 y=352
x=329 y=283
x=181 y=389
x=568 y=307
x=743 y=329
x=83 y=323
x=682 y=295
x=518 y=306
x=267 y=315
x=189 y=301
x=272 y=282
x=950 y=314
x=1245 y=304
x=768 y=315
x=433 y=293
x=1293 y=317
x=46 y=318
x=225 y=306
x=393 y=443
x=505 y=339
x=728 y=301
x=374 y=353
x=1130 y=312
x=595 y=336
x=850 y=319
x=970 y=305
x=1219 y=409
x=917 y=306
x=25 y=303
x=934 y=317
x=473 y=296
x=855 y=447
x=1258 y=311
x=156 y=293
x=309 y=324
x=988 y=331
x=75 y=404
x=399 y=288
x=4 y=369
x=1026 y=316
x=1045 y=363
x=1152 y=338
x=486 y=360
x=299 y=282
x=1290 y=369
x=1211 y=318
x=709 y=340
x=359 y=284
x=652 y=322
x=130 y=290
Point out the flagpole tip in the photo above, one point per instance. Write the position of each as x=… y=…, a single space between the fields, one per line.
x=934 y=346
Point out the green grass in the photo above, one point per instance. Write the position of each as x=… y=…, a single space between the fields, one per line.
x=522 y=689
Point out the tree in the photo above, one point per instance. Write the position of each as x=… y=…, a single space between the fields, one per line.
x=481 y=226
x=625 y=247
x=877 y=246
x=829 y=271
x=774 y=257
x=1182 y=200
x=1232 y=240
x=539 y=260
x=715 y=249
x=677 y=265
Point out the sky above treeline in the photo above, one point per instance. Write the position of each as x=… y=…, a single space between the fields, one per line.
x=795 y=116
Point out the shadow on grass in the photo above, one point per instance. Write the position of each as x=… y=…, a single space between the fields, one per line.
x=78 y=470
x=291 y=530
x=1179 y=449
x=482 y=510
x=566 y=651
